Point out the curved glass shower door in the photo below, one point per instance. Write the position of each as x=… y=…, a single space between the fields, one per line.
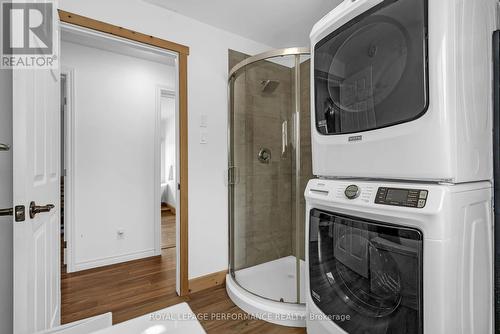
x=269 y=110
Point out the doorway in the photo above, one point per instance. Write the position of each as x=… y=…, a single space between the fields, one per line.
x=120 y=107
x=182 y=51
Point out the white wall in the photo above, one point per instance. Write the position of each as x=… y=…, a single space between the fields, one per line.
x=168 y=148
x=114 y=154
x=6 y=268
x=207 y=80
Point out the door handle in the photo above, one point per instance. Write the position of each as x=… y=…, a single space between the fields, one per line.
x=6 y=212
x=34 y=209
x=18 y=211
x=4 y=147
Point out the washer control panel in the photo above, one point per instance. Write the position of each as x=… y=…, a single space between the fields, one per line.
x=412 y=198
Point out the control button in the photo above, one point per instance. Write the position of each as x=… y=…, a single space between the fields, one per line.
x=352 y=191
x=423 y=194
x=421 y=203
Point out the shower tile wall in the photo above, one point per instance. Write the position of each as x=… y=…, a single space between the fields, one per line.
x=263 y=207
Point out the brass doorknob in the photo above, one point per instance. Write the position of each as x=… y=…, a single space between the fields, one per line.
x=34 y=209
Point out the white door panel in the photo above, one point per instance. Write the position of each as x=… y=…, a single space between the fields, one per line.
x=36 y=178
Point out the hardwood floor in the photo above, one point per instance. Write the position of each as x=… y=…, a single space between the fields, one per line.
x=139 y=287
x=167 y=229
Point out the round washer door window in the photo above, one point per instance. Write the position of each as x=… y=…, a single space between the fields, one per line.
x=367 y=270
x=377 y=295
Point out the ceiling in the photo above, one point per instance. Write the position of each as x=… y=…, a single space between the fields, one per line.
x=276 y=23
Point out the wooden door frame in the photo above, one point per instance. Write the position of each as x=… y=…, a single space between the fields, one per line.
x=183 y=52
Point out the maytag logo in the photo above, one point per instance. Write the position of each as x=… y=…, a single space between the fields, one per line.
x=355 y=138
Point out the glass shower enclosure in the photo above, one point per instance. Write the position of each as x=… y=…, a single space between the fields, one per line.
x=269 y=166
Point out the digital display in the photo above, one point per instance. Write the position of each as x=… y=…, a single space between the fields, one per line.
x=397 y=195
x=410 y=198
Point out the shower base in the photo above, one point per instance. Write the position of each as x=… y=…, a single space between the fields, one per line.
x=274 y=281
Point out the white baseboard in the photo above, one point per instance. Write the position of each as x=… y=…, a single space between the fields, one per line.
x=113 y=260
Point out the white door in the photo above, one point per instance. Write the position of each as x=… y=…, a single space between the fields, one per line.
x=36 y=156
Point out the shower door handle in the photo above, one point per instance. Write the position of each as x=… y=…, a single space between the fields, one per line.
x=284 y=136
x=4 y=147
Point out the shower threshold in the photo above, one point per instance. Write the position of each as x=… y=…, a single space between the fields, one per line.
x=273 y=281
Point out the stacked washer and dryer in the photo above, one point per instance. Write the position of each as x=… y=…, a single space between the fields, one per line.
x=399 y=235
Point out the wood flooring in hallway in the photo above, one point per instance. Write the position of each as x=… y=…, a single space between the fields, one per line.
x=167 y=229
x=135 y=288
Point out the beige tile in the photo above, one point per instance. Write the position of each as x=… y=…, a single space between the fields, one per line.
x=266 y=195
x=234 y=57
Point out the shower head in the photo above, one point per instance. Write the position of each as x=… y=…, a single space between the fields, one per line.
x=268 y=86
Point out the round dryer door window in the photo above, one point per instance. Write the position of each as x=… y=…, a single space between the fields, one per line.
x=371 y=61
x=372 y=72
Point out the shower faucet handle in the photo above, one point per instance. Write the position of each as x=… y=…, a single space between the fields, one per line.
x=264 y=155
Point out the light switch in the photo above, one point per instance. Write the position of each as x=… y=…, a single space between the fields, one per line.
x=204 y=137
x=203 y=121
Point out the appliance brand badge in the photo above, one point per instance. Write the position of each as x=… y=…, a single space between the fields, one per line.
x=316 y=295
x=355 y=138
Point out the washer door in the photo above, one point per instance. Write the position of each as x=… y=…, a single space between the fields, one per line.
x=372 y=72
x=366 y=276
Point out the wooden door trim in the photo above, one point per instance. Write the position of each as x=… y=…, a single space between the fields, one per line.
x=183 y=156
x=89 y=23
x=183 y=52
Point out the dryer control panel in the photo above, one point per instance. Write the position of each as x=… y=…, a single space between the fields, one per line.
x=412 y=198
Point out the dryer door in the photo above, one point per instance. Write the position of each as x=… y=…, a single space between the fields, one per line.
x=372 y=72
x=366 y=276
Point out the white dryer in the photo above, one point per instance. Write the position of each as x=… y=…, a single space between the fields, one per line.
x=402 y=90
x=399 y=258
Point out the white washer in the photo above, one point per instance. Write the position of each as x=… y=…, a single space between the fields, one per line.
x=391 y=103
x=406 y=258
